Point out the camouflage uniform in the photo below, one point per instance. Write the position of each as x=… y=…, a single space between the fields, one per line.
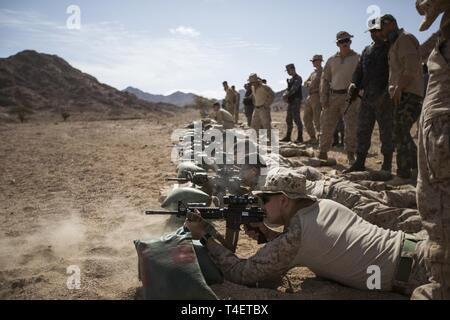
x=230 y=102
x=404 y=59
x=330 y=240
x=387 y=209
x=433 y=188
x=405 y=115
x=333 y=100
x=263 y=97
x=313 y=109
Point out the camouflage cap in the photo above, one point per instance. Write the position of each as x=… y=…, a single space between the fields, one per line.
x=342 y=35
x=317 y=57
x=289 y=182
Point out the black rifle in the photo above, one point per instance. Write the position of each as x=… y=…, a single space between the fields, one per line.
x=238 y=210
x=198 y=179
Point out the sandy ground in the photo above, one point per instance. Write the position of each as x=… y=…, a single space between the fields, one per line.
x=74 y=193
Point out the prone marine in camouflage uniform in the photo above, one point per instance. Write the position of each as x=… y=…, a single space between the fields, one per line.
x=433 y=188
x=406 y=90
x=311 y=115
x=329 y=239
x=389 y=209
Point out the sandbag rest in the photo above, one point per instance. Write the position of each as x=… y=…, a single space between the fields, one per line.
x=176 y=268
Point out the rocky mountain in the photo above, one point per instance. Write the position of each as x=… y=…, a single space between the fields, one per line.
x=178 y=98
x=42 y=82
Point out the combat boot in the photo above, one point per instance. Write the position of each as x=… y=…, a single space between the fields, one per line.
x=359 y=164
x=313 y=141
x=387 y=163
x=287 y=138
x=299 y=138
x=351 y=158
x=335 y=139
x=323 y=156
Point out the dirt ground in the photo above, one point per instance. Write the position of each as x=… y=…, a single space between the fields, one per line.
x=73 y=193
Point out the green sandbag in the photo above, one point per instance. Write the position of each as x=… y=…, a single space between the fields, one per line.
x=172 y=268
x=185 y=195
x=210 y=271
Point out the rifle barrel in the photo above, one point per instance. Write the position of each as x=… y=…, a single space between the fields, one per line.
x=177 y=179
x=161 y=212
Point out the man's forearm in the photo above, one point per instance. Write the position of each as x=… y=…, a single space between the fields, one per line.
x=275 y=258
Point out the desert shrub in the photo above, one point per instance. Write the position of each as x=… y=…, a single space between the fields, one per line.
x=21 y=112
x=203 y=105
x=65 y=115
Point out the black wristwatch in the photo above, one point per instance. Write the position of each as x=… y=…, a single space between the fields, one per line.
x=205 y=238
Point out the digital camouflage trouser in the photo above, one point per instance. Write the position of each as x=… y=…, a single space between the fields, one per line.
x=433 y=195
x=330 y=118
x=433 y=187
x=311 y=115
x=405 y=115
x=370 y=207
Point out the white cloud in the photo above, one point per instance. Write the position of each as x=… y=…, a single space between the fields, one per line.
x=121 y=58
x=185 y=31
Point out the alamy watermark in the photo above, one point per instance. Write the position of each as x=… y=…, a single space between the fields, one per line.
x=74 y=279
x=374 y=280
x=374 y=13
x=73 y=22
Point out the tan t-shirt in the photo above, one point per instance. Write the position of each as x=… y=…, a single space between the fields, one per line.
x=313 y=82
x=405 y=60
x=338 y=73
x=263 y=95
x=329 y=239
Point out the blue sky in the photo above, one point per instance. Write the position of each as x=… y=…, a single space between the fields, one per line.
x=192 y=45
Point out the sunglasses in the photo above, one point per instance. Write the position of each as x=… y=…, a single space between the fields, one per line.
x=344 y=41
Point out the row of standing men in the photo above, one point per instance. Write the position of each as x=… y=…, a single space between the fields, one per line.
x=389 y=73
